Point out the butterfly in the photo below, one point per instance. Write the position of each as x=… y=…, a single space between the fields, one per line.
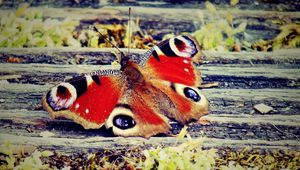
x=140 y=99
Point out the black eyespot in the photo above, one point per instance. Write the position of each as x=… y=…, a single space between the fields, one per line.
x=191 y=94
x=61 y=89
x=63 y=92
x=178 y=42
x=123 y=122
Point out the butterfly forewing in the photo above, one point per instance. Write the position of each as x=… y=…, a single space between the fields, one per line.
x=172 y=60
x=88 y=100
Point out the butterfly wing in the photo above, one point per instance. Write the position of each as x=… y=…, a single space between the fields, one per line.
x=172 y=60
x=87 y=100
x=170 y=67
x=189 y=101
x=137 y=113
x=94 y=101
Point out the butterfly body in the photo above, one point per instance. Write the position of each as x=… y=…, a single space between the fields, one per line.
x=142 y=99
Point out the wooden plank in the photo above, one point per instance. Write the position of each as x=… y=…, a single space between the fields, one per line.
x=234 y=106
x=234 y=122
x=226 y=131
x=92 y=143
x=223 y=4
x=52 y=68
x=105 y=56
x=220 y=67
x=237 y=118
x=109 y=12
x=232 y=102
x=17 y=121
x=229 y=94
x=227 y=70
x=254 y=94
x=224 y=126
x=21 y=96
x=274 y=119
x=251 y=71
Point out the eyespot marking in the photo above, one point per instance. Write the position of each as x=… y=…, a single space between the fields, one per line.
x=123 y=122
x=62 y=92
x=62 y=96
x=191 y=94
x=183 y=46
x=180 y=45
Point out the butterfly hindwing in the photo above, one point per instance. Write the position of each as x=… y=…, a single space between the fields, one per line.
x=189 y=101
x=137 y=113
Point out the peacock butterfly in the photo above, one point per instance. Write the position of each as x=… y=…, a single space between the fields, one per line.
x=141 y=98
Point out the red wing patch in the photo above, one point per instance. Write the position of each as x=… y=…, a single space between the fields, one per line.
x=172 y=60
x=88 y=104
x=98 y=101
x=174 y=69
x=149 y=120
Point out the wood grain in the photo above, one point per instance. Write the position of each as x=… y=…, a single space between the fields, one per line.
x=244 y=80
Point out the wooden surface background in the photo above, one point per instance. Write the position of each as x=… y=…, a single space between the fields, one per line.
x=245 y=79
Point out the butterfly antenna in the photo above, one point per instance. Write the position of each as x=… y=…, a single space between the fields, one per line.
x=129 y=27
x=107 y=40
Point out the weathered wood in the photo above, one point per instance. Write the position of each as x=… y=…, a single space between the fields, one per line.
x=245 y=4
x=288 y=126
x=228 y=76
x=121 y=12
x=282 y=66
x=228 y=94
x=229 y=70
x=94 y=143
x=234 y=121
x=284 y=102
x=228 y=119
x=20 y=115
x=98 y=56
